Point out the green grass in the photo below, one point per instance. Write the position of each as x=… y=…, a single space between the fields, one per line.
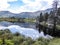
x=14 y=39
x=55 y=41
x=30 y=20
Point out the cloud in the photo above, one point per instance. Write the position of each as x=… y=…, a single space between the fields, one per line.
x=11 y=0
x=4 y=4
x=29 y=5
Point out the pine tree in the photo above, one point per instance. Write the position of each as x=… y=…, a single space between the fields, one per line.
x=46 y=17
x=41 y=17
x=55 y=4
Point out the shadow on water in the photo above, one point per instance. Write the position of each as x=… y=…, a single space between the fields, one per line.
x=49 y=31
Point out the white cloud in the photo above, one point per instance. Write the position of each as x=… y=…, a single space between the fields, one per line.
x=11 y=0
x=4 y=4
x=30 y=6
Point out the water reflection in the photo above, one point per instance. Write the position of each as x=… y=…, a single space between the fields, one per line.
x=24 y=29
x=26 y=25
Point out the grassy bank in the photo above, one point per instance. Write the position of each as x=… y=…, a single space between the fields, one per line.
x=30 y=20
x=55 y=41
x=8 y=38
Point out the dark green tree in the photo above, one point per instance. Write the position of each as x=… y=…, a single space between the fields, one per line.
x=41 y=17
x=58 y=12
x=46 y=16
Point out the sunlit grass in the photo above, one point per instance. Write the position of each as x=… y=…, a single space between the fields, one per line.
x=55 y=41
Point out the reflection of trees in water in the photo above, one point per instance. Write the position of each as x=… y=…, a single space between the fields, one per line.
x=27 y=25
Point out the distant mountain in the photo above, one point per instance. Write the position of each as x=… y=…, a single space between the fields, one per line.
x=8 y=14
x=44 y=11
x=26 y=15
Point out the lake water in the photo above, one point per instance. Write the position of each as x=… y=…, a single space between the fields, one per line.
x=26 y=25
x=27 y=29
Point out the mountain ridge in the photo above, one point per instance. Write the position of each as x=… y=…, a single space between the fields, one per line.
x=8 y=14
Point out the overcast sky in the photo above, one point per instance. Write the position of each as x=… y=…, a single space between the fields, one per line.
x=18 y=6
